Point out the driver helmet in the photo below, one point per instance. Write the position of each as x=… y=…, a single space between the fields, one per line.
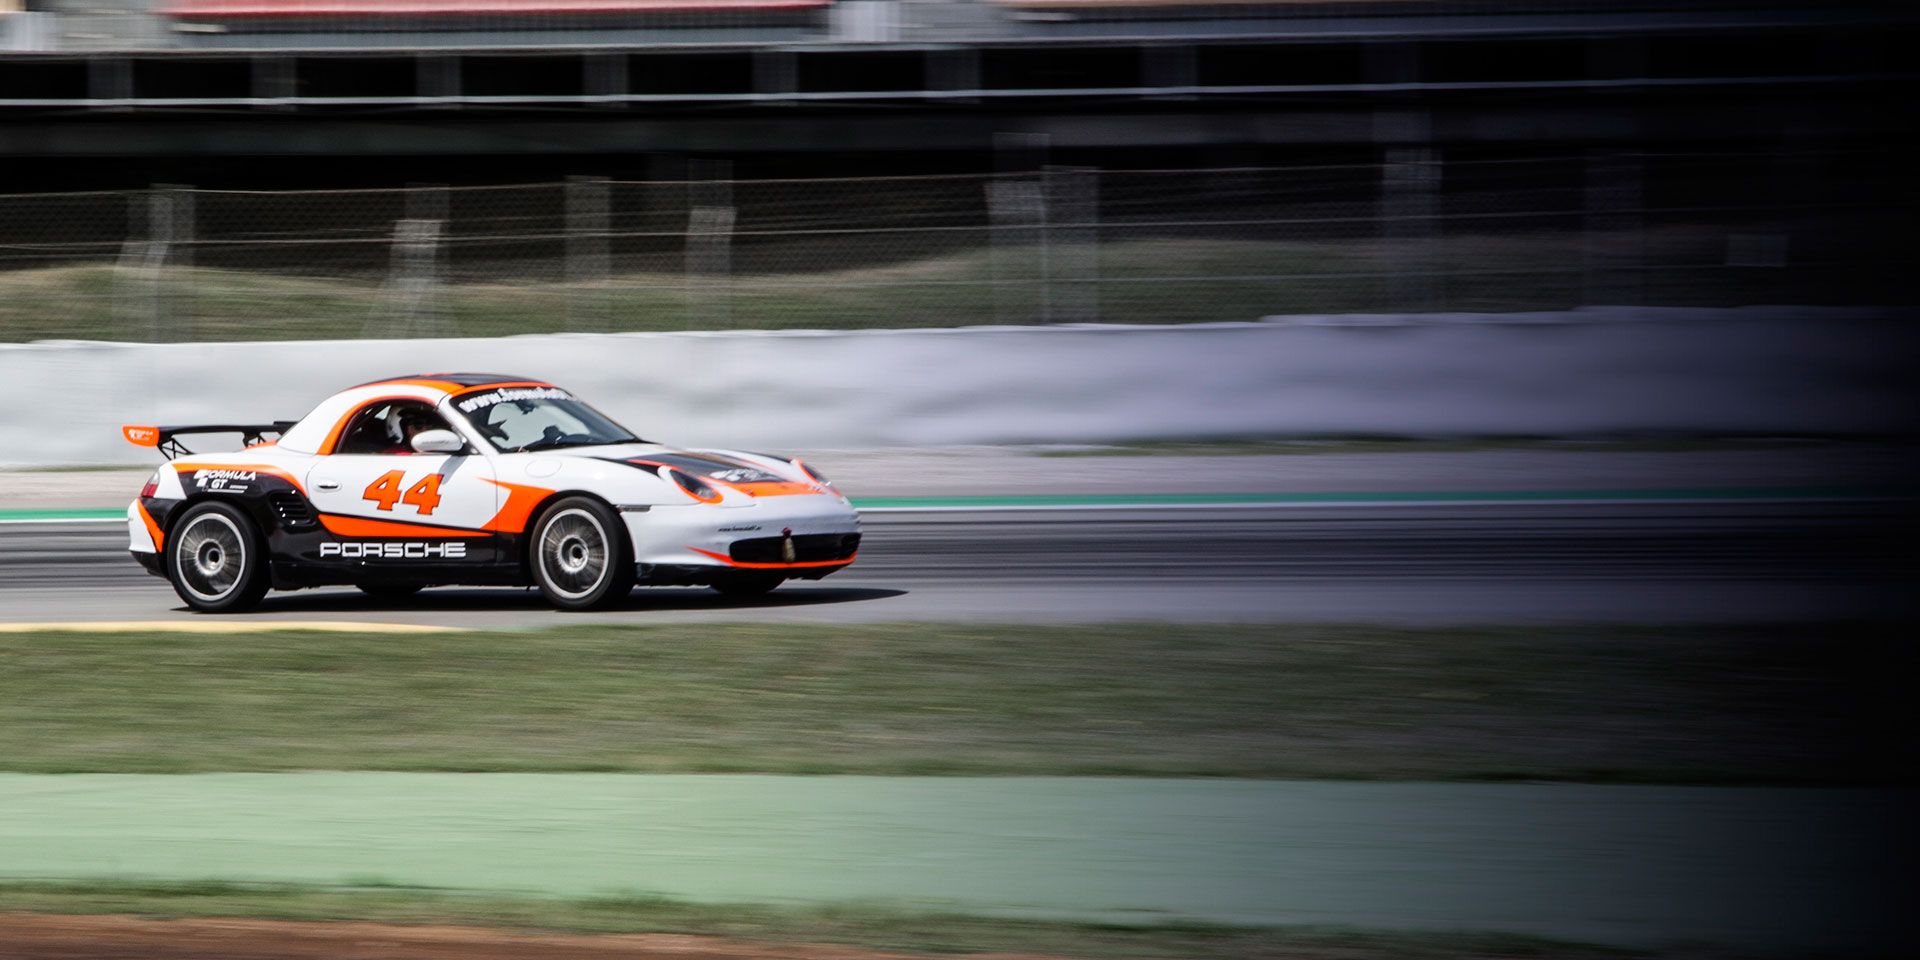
x=404 y=422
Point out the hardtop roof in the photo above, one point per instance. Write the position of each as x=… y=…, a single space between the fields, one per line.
x=460 y=379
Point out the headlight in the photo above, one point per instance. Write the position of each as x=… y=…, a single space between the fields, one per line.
x=694 y=486
x=815 y=474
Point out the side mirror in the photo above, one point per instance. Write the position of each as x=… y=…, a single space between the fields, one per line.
x=438 y=441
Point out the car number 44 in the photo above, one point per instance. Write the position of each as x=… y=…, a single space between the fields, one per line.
x=386 y=491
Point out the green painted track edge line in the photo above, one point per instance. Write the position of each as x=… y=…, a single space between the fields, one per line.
x=1205 y=499
x=1394 y=496
x=63 y=514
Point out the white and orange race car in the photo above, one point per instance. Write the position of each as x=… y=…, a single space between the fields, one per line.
x=451 y=478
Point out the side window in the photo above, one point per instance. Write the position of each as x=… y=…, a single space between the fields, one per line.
x=387 y=427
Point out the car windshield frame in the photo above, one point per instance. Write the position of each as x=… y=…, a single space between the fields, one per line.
x=600 y=429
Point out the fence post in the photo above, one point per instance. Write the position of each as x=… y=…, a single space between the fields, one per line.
x=710 y=217
x=169 y=258
x=412 y=283
x=663 y=211
x=137 y=290
x=1073 y=202
x=1409 y=192
x=1615 y=230
x=1016 y=207
x=587 y=258
x=410 y=303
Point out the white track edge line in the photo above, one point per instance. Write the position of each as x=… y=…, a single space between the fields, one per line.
x=1244 y=505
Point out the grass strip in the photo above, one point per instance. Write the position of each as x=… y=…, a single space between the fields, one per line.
x=1765 y=704
x=926 y=283
x=863 y=925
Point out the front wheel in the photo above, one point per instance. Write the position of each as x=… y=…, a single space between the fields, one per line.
x=217 y=560
x=579 y=557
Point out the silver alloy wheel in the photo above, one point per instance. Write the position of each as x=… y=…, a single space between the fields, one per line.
x=573 y=553
x=210 y=556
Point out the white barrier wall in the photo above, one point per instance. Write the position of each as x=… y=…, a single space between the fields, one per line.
x=1583 y=372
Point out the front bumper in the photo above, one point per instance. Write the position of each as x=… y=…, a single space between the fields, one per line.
x=675 y=543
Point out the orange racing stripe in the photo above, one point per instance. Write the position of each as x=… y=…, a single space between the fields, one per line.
x=484 y=387
x=153 y=529
x=446 y=385
x=770 y=488
x=361 y=527
x=731 y=562
x=521 y=500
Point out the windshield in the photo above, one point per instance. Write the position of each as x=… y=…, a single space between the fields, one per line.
x=518 y=419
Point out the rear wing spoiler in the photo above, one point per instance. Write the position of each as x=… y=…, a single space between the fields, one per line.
x=164 y=438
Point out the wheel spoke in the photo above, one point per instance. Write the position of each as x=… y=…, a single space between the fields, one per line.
x=573 y=554
x=210 y=556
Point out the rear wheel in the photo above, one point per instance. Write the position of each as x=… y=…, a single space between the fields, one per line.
x=748 y=584
x=579 y=557
x=216 y=559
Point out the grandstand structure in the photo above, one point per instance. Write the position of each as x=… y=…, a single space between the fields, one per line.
x=868 y=78
x=867 y=82
x=354 y=24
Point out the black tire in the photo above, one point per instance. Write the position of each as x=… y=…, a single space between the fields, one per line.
x=741 y=586
x=216 y=559
x=389 y=591
x=579 y=555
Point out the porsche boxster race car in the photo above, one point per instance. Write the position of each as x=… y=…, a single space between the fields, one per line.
x=452 y=478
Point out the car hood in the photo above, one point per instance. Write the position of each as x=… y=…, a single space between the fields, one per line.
x=725 y=465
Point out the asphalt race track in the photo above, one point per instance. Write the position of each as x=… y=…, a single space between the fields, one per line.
x=1691 y=561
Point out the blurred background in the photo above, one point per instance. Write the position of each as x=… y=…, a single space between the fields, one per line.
x=1340 y=478
x=203 y=170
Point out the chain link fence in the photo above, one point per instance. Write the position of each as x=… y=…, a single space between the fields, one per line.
x=1419 y=232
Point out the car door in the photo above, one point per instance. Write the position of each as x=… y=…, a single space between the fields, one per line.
x=383 y=502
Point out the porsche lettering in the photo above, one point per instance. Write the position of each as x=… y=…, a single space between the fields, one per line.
x=396 y=550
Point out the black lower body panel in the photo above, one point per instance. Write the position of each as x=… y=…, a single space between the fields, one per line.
x=294 y=576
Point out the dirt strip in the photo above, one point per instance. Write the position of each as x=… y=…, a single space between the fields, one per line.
x=34 y=936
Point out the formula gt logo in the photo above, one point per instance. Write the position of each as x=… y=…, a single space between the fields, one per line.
x=224 y=479
x=396 y=550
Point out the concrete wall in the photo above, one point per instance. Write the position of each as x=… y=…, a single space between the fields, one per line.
x=1595 y=371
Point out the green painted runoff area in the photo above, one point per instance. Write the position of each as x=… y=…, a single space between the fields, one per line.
x=1215 y=499
x=1759 y=867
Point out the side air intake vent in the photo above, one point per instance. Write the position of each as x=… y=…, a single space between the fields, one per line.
x=294 y=511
